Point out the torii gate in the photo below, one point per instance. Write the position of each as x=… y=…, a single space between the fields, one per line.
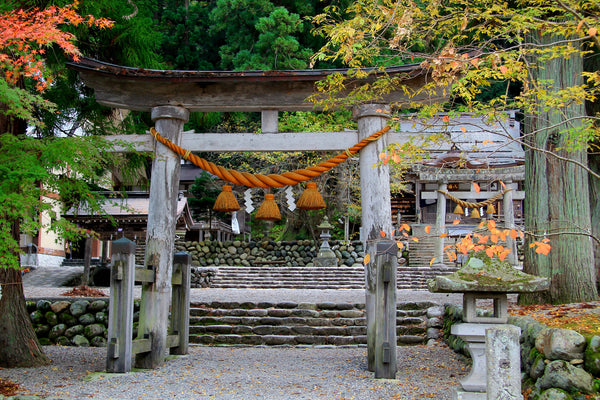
x=171 y=95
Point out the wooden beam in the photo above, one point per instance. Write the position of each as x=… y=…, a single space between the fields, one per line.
x=221 y=91
x=517 y=195
x=220 y=142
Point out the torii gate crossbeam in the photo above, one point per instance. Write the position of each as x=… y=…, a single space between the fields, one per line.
x=171 y=95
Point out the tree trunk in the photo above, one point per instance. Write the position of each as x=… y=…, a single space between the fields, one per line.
x=87 y=261
x=19 y=346
x=594 y=163
x=557 y=204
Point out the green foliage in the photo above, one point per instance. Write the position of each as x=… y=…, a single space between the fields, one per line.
x=205 y=191
x=33 y=171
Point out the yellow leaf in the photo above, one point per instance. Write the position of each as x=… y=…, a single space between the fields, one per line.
x=400 y=245
x=503 y=69
x=531 y=245
x=494 y=238
x=592 y=32
x=405 y=227
x=513 y=233
x=463 y=129
x=476 y=187
x=580 y=25
x=491 y=224
x=415 y=239
x=443 y=235
x=382 y=155
x=463 y=25
x=487 y=142
x=367 y=259
x=481 y=224
x=456 y=222
x=431 y=262
x=428 y=229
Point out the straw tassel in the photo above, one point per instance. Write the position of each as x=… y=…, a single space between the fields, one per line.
x=311 y=198
x=458 y=210
x=491 y=209
x=475 y=213
x=268 y=210
x=226 y=201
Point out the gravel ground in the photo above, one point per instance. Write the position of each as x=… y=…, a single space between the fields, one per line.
x=247 y=373
x=274 y=295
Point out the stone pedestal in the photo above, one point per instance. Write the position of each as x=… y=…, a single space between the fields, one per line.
x=474 y=337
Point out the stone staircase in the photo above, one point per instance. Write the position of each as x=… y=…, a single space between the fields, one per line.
x=343 y=277
x=272 y=277
x=293 y=324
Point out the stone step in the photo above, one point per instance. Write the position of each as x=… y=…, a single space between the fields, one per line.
x=293 y=324
x=316 y=278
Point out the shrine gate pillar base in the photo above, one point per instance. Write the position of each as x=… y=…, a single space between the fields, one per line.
x=376 y=207
x=160 y=236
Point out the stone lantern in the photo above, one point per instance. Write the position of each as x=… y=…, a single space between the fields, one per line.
x=325 y=257
x=488 y=279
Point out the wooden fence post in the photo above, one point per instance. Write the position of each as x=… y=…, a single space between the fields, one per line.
x=386 y=261
x=120 y=314
x=180 y=303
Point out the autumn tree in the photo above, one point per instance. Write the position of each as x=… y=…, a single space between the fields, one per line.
x=33 y=169
x=530 y=55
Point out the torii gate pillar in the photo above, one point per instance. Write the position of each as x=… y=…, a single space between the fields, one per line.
x=376 y=212
x=160 y=236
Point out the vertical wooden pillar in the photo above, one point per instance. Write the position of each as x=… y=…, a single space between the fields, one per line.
x=180 y=303
x=160 y=236
x=509 y=222
x=269 y=121
x=120 y=314
x=375 y=205
x=385 y=305
x=440 y=223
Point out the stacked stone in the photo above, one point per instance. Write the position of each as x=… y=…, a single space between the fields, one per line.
x=202 y=277
x=72 y=323
x=302 y=324
x=293 y=253
x=556 y=363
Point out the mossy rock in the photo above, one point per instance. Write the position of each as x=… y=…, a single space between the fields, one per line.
x=37 y=317
x=51 y=318
x=98 y=305
x=57 y=330
x=592 y=356
x=484 y=274
x=67 y=319
x=63 y=341
x=44 y=305
x=42 y=330
x=30 y=305
x=87 y=319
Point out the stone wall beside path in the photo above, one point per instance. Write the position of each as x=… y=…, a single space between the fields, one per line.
x=297 y=253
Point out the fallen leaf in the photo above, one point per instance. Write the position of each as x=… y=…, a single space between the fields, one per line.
x=428 y=229
x=367 y=259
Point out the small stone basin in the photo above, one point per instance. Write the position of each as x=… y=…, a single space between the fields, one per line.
x=482 y=274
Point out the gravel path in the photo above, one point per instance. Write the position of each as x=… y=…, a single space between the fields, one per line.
x=247 y=373
x=274 y=295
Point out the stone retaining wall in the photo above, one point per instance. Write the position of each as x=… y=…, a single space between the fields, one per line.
x=293 y=253
x=73 y=322
x=555 y=363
